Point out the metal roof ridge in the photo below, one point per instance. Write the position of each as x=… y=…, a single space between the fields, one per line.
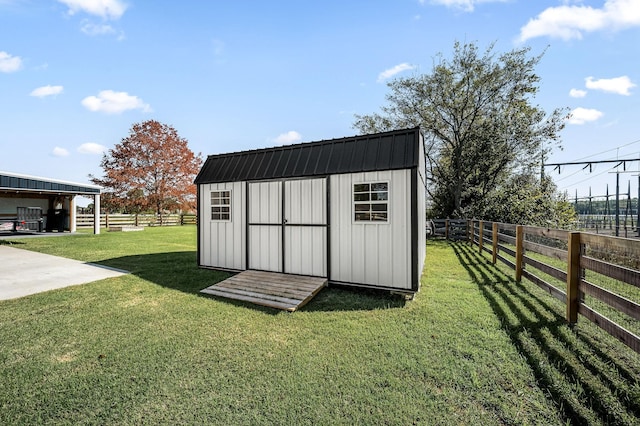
x=320 y=142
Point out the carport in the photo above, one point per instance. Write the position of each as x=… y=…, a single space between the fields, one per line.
x=55 y=199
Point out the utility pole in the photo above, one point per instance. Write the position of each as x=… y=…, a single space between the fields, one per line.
x=617 y=204
x=607 y=210
x=619 y=162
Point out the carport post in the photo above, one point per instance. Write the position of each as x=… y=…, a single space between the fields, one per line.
x=72 y=213
x=96 y=214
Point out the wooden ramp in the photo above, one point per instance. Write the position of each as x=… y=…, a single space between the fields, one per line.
x=281 y=291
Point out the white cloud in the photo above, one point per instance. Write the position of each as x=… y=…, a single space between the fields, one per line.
x=618 y=85
x=91 y=148
x=386 y=74
x=289 y=137
x=577 y=93
x=47 y=90
x=111 y=102
x=92 y=29
x=464 y=5
x=59 y=152
x=106 y=9
x=571 y=21
x=583 y=115
x=9 y=63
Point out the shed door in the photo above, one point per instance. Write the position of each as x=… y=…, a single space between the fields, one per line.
x=305 y=227
x=288 y=226
x=265 y=226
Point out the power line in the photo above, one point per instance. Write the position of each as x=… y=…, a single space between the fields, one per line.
x=589 y=163
x=590 y=177
x=570 y=175
x=609 y=150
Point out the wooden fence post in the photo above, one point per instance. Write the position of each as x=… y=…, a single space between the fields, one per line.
x=495 y=243
x=106 y=220
x=470 y=230
x=446 y=229
x=480 y=236
x=519 y=252
x=573 y=276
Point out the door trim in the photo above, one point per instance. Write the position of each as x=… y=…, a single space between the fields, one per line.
x=283 y=223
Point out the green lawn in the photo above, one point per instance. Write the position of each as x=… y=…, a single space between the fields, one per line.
x=146 y=348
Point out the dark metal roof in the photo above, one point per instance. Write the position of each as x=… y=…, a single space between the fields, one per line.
x=23 y=183
x=381 y=151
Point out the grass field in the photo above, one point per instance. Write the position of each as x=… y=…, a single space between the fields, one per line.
x=146 y=348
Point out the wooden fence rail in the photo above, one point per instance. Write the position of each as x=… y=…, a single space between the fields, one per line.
x=451 y=229
x=577 y=252
x=107 y=220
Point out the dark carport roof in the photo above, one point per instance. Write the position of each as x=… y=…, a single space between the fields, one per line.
x=381 y=151
x=18 y=183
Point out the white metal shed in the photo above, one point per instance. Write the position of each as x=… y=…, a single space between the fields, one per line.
x=351 y=210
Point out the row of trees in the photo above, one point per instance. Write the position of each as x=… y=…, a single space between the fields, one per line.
x=485 y=139
x=485 y=142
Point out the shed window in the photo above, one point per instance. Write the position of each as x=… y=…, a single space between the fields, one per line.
x=370 y=202
x=221 y=205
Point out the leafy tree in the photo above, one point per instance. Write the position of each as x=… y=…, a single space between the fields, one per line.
x=522 y=198
x=151 y=169
x=479 y=123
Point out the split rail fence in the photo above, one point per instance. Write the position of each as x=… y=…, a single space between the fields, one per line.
x=107 y=220
x=584 y=271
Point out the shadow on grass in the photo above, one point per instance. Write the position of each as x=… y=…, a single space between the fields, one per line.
x=10 y=243
x=585 y=382
x=353 y=299
x=179 y=271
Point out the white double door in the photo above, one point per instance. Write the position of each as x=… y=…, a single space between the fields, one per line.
x=288 y=226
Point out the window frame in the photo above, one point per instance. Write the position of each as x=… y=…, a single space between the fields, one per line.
x=221 y=196
x=370 y=202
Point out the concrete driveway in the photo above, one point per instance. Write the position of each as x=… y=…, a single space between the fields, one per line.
x=24 y=272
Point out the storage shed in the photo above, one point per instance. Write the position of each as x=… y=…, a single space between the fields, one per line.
x=351 y=210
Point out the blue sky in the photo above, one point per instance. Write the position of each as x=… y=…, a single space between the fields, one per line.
x=76 y=74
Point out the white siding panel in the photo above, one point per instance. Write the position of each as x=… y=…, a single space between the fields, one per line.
x=222 y=243
x=341 y=237
x=265 y=248
x=265 y=202
x=306 y=249
x=319 y=195
x=305 y=246
x=292 y=211
x=400 y=213
x=305 y=201
x=273 y=200
x=319 y=252
x=265 y=241
x=386 y=267
x=422 y=210
x=10 y=205
x=376 y=254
